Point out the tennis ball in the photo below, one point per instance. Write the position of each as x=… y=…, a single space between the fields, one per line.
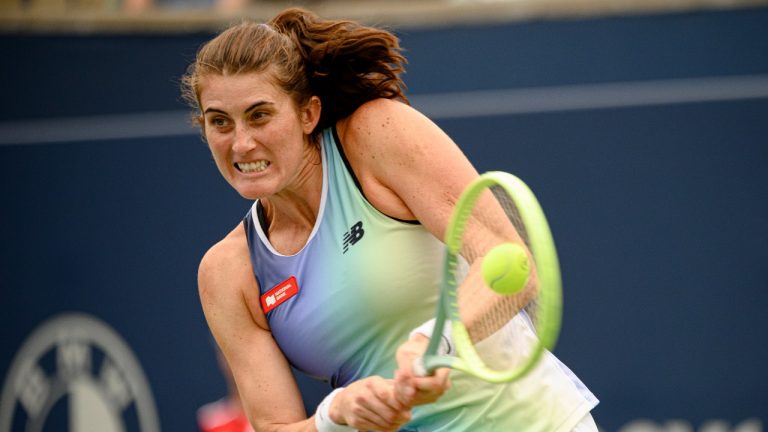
x=505 y=268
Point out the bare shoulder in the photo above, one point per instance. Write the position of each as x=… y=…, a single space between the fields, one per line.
x=379 y=140
x=373 y=109
x=225 y=275
x=228 y=255
x=414 y=165
x=390 y=135
x=382 y=120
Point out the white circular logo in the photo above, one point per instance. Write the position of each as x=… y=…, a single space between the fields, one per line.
x=75 y=371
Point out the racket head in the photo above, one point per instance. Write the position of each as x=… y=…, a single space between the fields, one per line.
x=525 y=213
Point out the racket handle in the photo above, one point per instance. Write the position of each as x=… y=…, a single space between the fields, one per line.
x=419 y=368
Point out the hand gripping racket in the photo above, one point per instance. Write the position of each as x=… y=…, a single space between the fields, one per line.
x=523 y=210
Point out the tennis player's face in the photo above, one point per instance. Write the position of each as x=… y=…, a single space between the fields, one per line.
x=257 y=136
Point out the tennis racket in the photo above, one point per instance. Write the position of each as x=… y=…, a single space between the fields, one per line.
x=522 y=209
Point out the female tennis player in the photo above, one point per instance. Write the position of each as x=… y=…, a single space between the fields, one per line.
x=339 y=258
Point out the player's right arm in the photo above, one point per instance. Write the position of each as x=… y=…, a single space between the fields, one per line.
x=229 y=295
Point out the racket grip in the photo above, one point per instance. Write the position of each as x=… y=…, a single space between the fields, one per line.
x=419 y=368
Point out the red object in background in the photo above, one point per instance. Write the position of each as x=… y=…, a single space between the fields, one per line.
x=222 y=416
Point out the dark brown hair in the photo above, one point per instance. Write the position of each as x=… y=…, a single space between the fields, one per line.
x=342 y=62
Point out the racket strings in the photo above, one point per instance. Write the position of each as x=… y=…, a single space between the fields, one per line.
x=490 y=311
x=513 y=214
x=510 y=209
x=500 y=336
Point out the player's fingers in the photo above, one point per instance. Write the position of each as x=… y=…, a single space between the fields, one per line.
x=373 y=405
x=378 y=410
x=382 y=417
x=438 y=382
x=423 y=390
x=405 y=389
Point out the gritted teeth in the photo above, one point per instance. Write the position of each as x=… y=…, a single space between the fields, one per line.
x=248 y=167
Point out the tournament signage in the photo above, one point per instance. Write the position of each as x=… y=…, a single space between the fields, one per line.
x=75 y=370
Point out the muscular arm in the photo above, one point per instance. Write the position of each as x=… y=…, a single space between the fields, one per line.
x=229 y=296
x=410 y=169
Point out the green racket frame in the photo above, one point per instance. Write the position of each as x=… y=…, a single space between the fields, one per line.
x=549 y=308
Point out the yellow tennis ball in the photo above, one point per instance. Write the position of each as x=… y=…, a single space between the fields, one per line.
x=505 y=268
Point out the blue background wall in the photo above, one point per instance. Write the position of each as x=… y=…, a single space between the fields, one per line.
x=659 y=211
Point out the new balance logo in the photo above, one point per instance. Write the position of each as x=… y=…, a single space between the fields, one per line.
x=353 y=235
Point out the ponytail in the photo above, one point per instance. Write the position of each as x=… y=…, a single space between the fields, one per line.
x=347 y=64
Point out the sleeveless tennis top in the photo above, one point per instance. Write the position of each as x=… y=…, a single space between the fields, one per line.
x=341 y=306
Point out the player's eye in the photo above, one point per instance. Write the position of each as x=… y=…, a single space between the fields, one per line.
x=219 y=122
x=258 y=115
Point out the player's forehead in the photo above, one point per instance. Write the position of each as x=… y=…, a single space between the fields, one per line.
x=237 y=92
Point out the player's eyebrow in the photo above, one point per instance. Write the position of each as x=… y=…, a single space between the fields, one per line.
x=254 y=106
x=214 y=110
x=257 y=105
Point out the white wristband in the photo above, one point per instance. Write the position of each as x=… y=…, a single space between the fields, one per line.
x=446 y=342
x=323 y=421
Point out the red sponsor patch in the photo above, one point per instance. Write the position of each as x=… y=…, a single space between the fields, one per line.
x=279 y=294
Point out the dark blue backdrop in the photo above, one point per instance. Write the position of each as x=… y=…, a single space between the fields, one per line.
x=659 y=211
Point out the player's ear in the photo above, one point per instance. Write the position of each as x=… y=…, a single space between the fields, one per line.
x=310 y=114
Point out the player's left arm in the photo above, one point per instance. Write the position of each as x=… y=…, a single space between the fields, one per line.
x=410 y=169
x=418 y=172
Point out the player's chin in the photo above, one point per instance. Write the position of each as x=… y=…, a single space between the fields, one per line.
x=251 y=189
